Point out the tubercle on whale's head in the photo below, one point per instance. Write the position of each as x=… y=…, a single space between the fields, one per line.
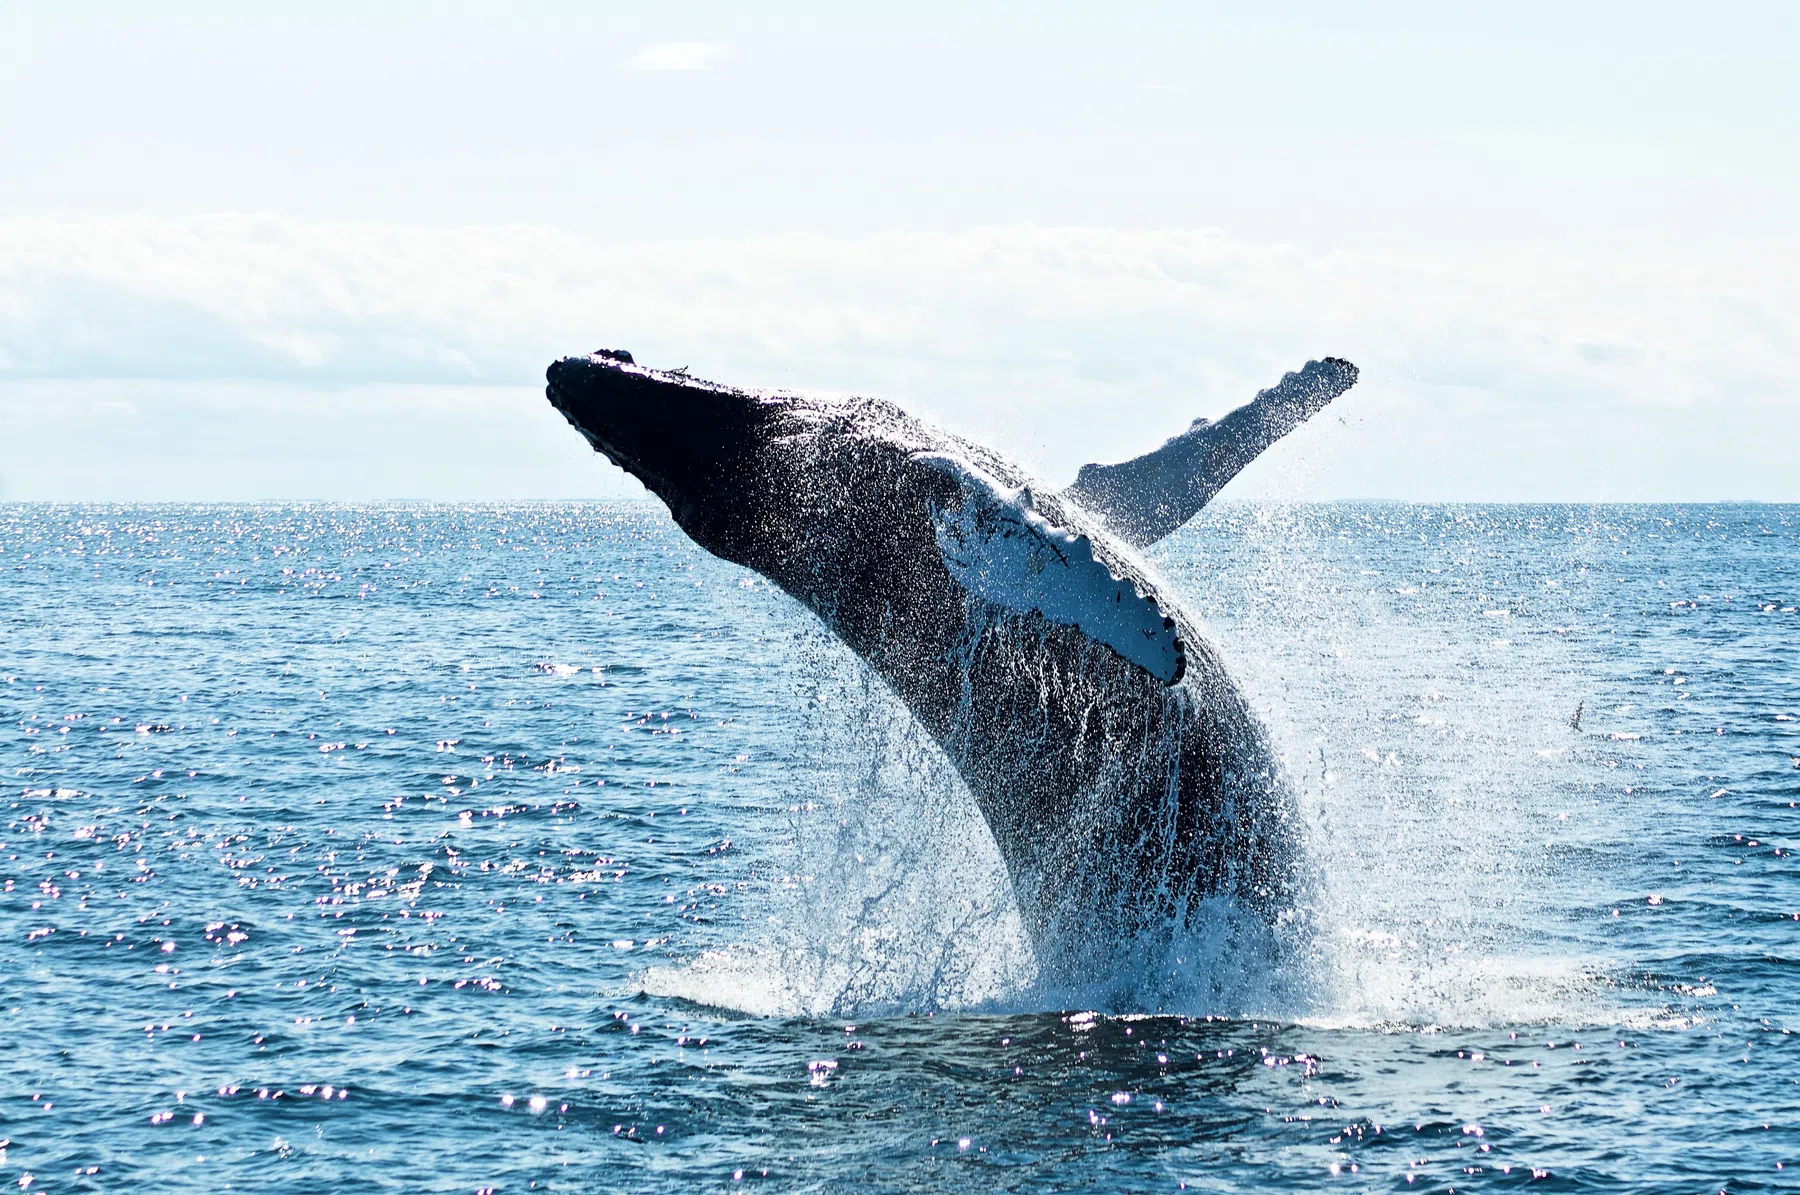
x=691 y=442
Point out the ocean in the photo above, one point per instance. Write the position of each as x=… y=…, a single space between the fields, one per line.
x=505 y=848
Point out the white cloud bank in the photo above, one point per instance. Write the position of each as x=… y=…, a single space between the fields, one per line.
x=1529 y=371
x=679 y=56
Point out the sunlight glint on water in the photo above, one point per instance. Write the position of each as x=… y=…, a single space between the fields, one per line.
x=337 y=833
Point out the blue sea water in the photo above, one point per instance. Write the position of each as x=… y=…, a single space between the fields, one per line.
x=513 y=848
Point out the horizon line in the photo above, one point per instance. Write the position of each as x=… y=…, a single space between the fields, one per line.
x=651 y=499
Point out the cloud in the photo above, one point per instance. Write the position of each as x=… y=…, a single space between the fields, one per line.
x=1060 y=344
x=679 y=56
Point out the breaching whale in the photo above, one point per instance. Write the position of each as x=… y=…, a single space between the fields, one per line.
x=1122 y=773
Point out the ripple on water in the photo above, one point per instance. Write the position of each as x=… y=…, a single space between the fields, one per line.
x=337 y=835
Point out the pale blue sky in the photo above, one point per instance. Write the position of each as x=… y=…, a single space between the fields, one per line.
x=310 y=251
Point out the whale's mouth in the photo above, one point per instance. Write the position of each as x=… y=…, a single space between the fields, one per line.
x=602 y=396
x=690 y=441
x=579 y=386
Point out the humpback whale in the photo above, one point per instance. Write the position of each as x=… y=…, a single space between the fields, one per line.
x=1124 y=776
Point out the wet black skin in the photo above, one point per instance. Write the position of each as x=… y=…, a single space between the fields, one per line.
x=1117 y=801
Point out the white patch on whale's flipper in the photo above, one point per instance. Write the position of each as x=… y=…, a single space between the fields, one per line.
x=1000 y=549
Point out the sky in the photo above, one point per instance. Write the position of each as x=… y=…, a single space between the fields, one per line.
x=325 y=251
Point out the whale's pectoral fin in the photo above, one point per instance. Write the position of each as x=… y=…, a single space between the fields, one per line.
x=1002 y=551
x=1145 y=499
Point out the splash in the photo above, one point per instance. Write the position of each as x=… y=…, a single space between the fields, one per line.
x=886 y=892
x=1435 y=766
x=1436 y=772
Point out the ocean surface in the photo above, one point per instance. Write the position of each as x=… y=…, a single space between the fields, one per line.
x=519 y=848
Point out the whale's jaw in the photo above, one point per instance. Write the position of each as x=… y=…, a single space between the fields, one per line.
x=683 y=439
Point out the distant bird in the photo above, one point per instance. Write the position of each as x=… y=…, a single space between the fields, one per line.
x=1575 y=722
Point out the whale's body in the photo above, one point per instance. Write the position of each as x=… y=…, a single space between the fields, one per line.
x=1122 y=773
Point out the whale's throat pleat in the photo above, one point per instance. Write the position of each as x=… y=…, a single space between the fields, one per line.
x=1004 y=552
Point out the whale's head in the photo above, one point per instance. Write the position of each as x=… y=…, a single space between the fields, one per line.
x=694 y=444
